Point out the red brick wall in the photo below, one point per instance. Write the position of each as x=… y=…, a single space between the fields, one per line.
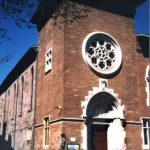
x=70 y=79
x=129 y=84
x=133 y=139
x=50 y=85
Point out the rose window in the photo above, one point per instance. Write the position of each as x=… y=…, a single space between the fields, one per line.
x=102 y=53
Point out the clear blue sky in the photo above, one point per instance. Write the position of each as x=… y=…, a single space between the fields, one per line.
x=24 y=38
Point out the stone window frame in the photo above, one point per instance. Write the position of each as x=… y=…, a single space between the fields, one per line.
x=147 y=88
x=147 y=134
x=96 y=67
x=46 y=131
x=48 y=60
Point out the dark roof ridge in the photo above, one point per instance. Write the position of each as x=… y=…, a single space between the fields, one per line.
x=28 y=58
x=143 y=34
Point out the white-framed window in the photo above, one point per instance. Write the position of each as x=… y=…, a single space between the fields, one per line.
x=46 y=131
x=48 y=60
x=146 y=133
x=102 y=53
x=147 y=79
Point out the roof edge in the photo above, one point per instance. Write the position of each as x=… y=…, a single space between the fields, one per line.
x=27 y=59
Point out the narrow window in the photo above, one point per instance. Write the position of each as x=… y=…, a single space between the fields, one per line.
x=48 y=61
x=146 y=132
x=147 y=78
x=46 y=131
x=31 y=96
x=9 y=105
x=13 y=103
x=1 y=110
x=21 y=97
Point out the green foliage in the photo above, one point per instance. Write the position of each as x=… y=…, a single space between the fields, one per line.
x=69 y=12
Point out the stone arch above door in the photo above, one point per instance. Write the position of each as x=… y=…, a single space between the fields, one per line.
x=105 y=101
x=101 y=103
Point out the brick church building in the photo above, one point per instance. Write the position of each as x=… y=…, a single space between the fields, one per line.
x=88 y=84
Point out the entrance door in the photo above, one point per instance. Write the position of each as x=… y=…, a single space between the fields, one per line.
x=99 y=137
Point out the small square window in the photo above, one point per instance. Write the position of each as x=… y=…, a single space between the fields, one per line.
x=48 y=61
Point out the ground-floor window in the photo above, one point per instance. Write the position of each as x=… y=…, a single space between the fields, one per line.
x=146 y=132
x=46 y=131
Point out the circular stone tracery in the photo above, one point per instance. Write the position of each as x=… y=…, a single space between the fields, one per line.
x=102 y=53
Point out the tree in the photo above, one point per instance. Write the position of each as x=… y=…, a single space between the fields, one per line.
x=18 y=11
x=69 y=12
x=6 y=58
x=21 y=11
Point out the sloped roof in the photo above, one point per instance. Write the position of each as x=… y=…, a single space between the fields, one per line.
x=28 y=58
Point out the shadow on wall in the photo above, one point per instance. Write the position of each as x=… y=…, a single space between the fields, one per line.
x=5 y=145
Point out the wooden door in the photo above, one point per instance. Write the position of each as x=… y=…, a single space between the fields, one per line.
x=99 y=137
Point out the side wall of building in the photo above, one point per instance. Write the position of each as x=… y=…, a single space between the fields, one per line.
x=18 y=106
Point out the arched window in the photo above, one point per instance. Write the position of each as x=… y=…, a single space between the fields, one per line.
x=31 y=94
x=13 y=103
x=21 y=96
x=9 y=104
x=1 y=109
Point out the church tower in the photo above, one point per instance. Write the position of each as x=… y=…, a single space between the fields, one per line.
x=90 y=83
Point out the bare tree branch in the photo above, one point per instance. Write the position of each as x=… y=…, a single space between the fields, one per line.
x=19 y=12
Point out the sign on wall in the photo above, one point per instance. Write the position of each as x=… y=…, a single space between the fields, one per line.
x=73 y=146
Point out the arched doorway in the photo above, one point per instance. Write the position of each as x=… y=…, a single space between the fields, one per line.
x=100 y=105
